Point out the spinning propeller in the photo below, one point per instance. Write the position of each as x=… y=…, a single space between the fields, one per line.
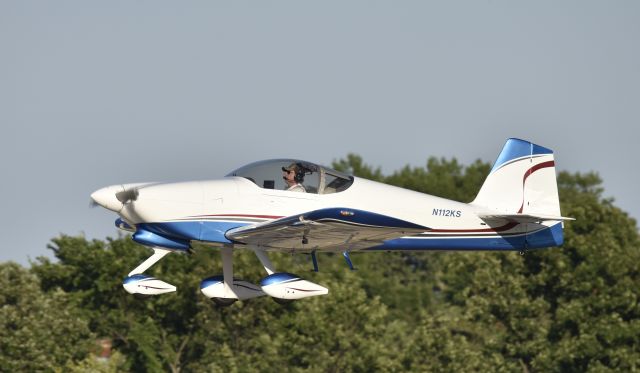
x=128 y=195
x=116 y=196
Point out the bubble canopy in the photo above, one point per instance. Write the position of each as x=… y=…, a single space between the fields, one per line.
x=315 y=178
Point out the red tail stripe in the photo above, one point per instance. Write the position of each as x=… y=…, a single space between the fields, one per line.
x=529 y=172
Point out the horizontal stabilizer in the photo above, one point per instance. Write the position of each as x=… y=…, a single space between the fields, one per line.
x=521 y=218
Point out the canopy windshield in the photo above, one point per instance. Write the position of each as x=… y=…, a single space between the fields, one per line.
x=315 y=179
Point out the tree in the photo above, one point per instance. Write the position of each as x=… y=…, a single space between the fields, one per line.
x=184 y=330
x=38 y=332
x=354 y=165
x=151 y=333
x=572 y=308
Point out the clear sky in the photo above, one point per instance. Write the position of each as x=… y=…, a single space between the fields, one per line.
x=100 y=93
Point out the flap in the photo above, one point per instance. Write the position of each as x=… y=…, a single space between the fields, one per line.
x=336 y=229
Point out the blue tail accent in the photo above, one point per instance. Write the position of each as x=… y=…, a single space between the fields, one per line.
x=516 y=148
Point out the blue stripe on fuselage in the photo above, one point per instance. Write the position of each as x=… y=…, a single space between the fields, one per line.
x=548 y=237
x=214 y=231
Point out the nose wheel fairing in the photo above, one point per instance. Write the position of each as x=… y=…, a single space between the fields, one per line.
x=139 y=283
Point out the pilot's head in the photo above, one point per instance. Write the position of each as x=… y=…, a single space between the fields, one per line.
x=293 y=174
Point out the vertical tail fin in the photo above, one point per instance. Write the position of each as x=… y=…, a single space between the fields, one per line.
x=522 y=181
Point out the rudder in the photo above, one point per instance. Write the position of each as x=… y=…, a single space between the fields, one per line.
x=521 y=181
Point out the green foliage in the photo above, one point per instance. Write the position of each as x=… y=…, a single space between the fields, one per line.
x=442 y=178
x=37 y=331
x=573 y=308
x=91 y=364
x=355 y=165
x=338 y=333
x=447 y=179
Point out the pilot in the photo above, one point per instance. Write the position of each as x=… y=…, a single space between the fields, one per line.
x=293 y=175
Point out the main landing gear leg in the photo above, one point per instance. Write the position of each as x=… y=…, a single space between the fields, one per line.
x=225 y=290
x=227 y=273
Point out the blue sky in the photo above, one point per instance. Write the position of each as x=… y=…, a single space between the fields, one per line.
x=101 y=93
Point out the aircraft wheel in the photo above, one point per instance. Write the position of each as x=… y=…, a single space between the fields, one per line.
x=224 y=302
x=282 y=301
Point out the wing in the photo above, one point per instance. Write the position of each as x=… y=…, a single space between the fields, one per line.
x=332 y=229
x=492 y=218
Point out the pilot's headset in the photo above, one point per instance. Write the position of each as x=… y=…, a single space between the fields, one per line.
x=299 y=178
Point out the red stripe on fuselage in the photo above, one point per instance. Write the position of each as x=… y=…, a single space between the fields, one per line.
x=240 y=215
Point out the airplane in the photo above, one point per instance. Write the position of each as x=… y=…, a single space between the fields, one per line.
x=294 y=206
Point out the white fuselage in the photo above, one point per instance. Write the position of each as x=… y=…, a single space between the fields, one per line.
x=204 y=210
x=238 y=197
